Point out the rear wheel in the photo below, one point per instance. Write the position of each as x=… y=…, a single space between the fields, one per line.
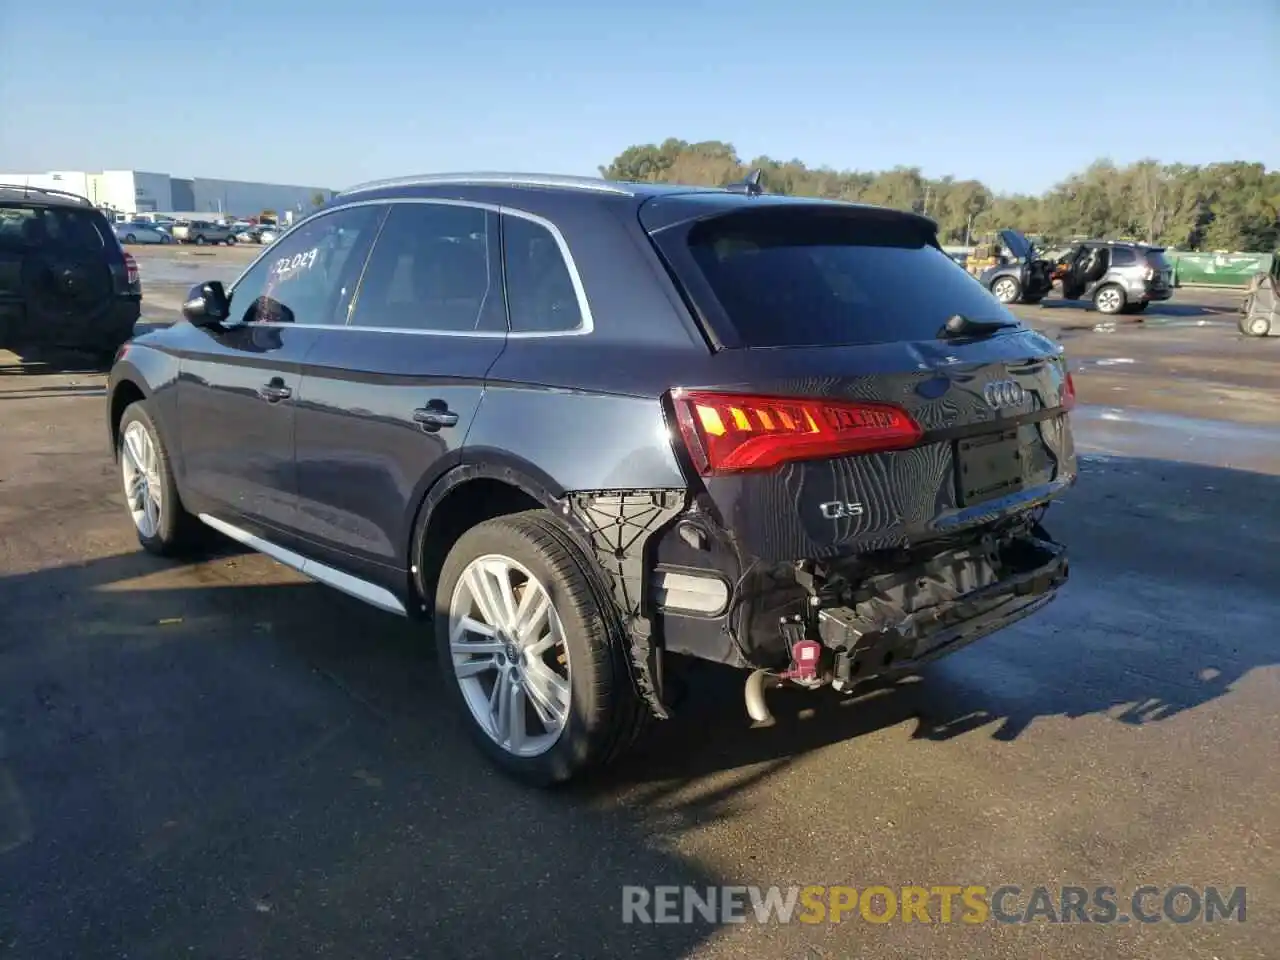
x=1109 y=300
x=163 y=525
x=533 y=651
x=200 y=240
x=130 y=238
x=1006 y=290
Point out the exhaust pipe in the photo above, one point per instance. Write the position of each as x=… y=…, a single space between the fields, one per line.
x=753 y=692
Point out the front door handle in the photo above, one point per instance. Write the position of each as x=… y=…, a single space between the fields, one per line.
x=274 y=390
x=434 y=415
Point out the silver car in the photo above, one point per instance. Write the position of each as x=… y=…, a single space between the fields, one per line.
x=202 y=231
x=141 y=232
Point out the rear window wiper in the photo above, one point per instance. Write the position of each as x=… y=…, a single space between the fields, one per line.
x=959 y=326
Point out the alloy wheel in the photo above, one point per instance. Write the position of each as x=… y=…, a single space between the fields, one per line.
x=1005 y=290
x=140 y=471
x=1109 y=301
x=509 y=655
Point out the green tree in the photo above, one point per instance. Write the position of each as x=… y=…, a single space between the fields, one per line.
x=1232 y=206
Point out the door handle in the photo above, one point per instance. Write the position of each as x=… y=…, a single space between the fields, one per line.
x=434 y=415
x=274 y=390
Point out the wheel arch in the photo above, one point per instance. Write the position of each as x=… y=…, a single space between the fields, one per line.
x=477 y=489
x=126 y=388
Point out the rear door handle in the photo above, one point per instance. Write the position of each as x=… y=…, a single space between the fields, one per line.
x=274 y=390
x=434 y=415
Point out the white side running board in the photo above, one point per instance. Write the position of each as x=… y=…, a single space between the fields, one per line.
x=352 y=586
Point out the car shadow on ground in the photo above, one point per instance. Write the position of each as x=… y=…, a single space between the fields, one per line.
x=273 y=767
x=1166 y=309
x=45 y=364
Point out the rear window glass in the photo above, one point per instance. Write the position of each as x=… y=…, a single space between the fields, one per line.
x=32 y=226
x=820 y=279
x=1156 y=259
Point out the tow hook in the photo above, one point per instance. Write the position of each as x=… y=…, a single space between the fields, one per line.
x=804 y=671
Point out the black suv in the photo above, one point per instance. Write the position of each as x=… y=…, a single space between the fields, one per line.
x=585 y=428
x=66 y=283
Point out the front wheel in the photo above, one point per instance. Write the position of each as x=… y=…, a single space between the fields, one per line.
x=163 y=525
x=200 y=241
x=231 y=241
x=130 y=238
x=1109 y=300
x=1006 y=290
x=533 y=651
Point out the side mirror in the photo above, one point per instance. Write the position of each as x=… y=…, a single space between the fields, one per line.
x=207 y=304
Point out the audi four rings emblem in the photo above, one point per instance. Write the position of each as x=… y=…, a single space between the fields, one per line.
x=1004 y=393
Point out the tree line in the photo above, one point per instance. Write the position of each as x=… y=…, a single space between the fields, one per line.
x=1219 y=206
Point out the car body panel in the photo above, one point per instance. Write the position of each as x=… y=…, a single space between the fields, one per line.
x=363 y=462
x=237 y=446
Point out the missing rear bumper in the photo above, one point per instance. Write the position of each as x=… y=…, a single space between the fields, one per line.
x=939 y=607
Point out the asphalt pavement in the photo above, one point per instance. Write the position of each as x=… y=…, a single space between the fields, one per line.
x=219 y=759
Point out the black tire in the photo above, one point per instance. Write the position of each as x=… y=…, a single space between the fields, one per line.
x=130 y=238
x=200 y=240
x=230 y=241
x=606 y=713
x=1109 y=299
x=178 y=531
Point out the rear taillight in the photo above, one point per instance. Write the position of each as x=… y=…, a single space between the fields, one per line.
x=1068 y=393
x=131 y=273
x=734 y=432
x=1150 y=273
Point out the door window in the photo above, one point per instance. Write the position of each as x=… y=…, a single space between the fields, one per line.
x=1123 y=257
x=434 y=269
x=310 y=276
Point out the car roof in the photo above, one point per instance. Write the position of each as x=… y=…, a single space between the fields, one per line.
x=21 y=193
x=691 y=202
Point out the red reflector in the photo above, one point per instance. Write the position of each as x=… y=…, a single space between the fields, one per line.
x=131 y=269
x=734 y=432
x=1068 y=393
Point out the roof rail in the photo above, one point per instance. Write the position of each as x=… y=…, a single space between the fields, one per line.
x=507 y=179
x=27 y=190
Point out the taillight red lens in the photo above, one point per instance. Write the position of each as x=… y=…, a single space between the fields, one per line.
x=734 y=432
x=131 y=269
x=1068 y=393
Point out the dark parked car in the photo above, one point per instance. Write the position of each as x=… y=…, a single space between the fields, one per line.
x=1118 y=276
x=66 y=283
x=584 y=429
x=1024 y=278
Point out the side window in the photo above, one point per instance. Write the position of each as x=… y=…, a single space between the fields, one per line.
x=310 y=276
x=1122 y=257
x=540 y=294
x=434 y=268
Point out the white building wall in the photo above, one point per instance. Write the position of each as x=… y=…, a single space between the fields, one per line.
x=238 y=198
x=118 y=191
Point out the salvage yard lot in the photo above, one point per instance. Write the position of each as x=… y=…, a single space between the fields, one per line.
x=221 y=759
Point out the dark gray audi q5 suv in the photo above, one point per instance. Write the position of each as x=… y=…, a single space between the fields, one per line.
x=585 y=429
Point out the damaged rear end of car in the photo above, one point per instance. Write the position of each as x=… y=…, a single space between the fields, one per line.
x=871 y=450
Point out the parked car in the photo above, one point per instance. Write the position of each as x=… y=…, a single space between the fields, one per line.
x=65 y=281
x=585 y=430
x=1023 y=277
x=142 y=232
x=202 y=232
x=261 y=233
x=1118 y=276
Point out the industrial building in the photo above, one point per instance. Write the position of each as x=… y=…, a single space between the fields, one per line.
x=131 y=192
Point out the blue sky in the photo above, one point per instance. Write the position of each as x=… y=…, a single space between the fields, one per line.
x=328 y=94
